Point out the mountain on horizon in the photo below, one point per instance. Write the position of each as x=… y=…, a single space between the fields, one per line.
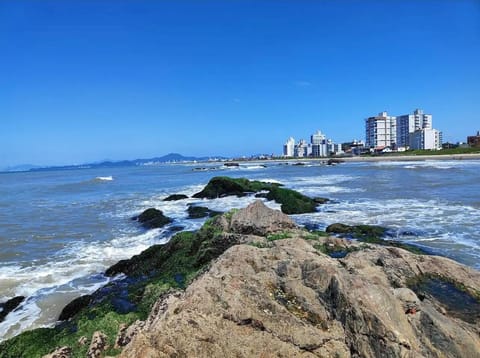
x=168 y=158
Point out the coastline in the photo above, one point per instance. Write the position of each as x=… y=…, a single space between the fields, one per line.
x=406 y=158
x=359 y=159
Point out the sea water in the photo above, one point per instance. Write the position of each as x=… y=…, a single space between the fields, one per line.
x=60 y=229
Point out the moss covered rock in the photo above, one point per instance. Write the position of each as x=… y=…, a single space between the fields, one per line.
x=153 y=218
x=175 y=197
x=292 y=202
x=371 y=234
x=219 y=187
x=197 y=212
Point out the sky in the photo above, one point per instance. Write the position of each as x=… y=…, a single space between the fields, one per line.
x=84 y=81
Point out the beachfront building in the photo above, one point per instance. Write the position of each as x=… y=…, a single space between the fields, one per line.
x=302 y=149
x=408 y=124
x=426 y=138
x=381 y=131
x=474 y=140
x=289 y=147
x=409 y=131
x=322 y=146
x=319 y=146
x=318 y=141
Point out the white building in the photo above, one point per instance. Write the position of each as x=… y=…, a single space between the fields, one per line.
x=427 y=138
x=381 y=131
x=289 y=147
x=323 y=147
x=409 y=123
x=301 y=149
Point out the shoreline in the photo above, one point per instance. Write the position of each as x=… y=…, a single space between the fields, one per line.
x=407 y=158
x=384 y=158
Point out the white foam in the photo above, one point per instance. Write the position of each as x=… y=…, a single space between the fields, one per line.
x=109 y=178
x=252 y=167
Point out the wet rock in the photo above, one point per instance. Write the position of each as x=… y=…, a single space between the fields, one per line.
x=231 y=164
x=258 y=219
x=292 y=202
x=176 y=228
x=71 y=309
x=152 y=218
x=175 y=197
x=319 y=200
x=197 y=212
x=98 y=345
x=219 y=187
x=61 y=352
x=334 y=161
x=9 y=306
x=371 y=234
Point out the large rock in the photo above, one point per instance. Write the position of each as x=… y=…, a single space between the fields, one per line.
x=9 y=306
x=98 y=345
x=257 y=219
x=75 y=306
x=175 y=197
x=219 y=187
x=61 y=352
x=197 y=212
x=153 y=218
x=290 y=300
x=292 y=202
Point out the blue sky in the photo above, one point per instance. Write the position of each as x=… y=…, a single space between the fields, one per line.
x=83 y=81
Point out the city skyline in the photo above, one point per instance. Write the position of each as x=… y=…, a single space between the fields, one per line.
x=88 y=81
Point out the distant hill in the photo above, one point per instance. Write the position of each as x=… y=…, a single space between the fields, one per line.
x=169 y=158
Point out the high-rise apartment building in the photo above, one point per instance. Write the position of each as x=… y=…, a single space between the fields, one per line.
x=289 y=147
x=381 y=131
x=426 y=138
x=409 y=123
x=319 y=146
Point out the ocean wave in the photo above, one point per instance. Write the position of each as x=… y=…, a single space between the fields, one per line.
x=107 y=178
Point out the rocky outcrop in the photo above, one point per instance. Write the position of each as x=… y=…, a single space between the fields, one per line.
x=197 y=212
x=292 y=202
x=9 y=306
x=219 y=187
x=152 y=218
x=371 y=234
x=74 y=307
x=286 y=298
x=61 y=352
x=98 y=345
x=250 y=283
x=257 y=219
x=175 y=197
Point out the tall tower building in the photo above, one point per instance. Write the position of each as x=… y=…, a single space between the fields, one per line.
x=289 y=147
x=381 y=131
x=409 y=123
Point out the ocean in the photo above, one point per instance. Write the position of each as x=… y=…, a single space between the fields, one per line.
x=60 y=229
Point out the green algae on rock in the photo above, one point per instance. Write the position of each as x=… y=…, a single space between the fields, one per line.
x=175 y=197
x=219 y=187
x=292 y=202
x=197 y=212
x=371 y=234
x=153 y=218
